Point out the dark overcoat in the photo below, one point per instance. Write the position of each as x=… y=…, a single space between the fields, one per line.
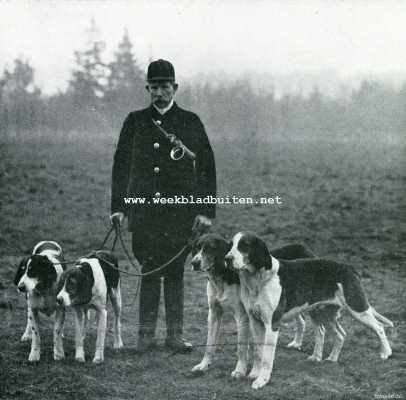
x=143 y=168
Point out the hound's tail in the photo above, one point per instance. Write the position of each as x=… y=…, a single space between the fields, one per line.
x=47 y=245
x=385 y=321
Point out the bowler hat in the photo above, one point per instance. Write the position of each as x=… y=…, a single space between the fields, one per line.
x=160 y=70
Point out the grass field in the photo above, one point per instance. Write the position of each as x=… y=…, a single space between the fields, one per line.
x=345 y=201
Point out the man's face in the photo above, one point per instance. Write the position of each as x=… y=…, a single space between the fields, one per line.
x=161 y=92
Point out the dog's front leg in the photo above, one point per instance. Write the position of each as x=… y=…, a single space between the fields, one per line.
x=115 y=297
x=86 y=322
x=213 y=323
x=79 y=333
x=35 y=352
x=268 y=355
x=101 y=335
x=27 y=335
x=243 y=329
x=58 y=332
x=257 y=330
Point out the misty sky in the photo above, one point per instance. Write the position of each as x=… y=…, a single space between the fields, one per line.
x=346 y=37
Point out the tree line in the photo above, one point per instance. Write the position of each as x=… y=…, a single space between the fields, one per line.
x=99 y=95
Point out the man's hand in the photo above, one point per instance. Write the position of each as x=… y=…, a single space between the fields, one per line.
x=201 y=225
x=117 y=218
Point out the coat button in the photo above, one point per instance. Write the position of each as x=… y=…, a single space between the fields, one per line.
x=156 y=170
x=158 y=122
x=156 y=145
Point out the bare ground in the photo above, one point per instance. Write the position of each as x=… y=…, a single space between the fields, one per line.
x=344 y=201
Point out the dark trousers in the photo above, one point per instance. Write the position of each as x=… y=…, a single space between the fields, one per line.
x=152 y=254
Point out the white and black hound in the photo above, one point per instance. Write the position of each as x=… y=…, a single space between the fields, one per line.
x=223 y=290
x=38 y=276
x=87 y=285
x=274 y=290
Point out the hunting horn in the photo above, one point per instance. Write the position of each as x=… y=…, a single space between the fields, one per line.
x=179 y=150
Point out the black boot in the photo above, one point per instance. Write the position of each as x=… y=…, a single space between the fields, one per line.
x=178 y=344
x=148 y=312
x=173 y=291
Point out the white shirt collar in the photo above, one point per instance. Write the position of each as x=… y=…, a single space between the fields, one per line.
x=162 y=111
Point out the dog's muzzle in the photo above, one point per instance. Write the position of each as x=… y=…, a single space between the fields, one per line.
x=229 y=261
x=196 y=265
x=21 y=287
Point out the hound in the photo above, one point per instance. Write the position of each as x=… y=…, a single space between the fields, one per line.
x=275 y=290
x=223 y=290
x=38 y=276
x=86 y=285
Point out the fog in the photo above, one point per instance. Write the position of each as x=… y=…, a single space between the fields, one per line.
x=270 y=41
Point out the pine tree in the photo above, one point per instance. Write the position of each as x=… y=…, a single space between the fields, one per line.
x=87 y=86
x=20 y=99
x=125 y=74
x=125 y=84
x=89 y=78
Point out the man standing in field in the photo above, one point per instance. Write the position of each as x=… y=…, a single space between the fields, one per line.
x=146 y=166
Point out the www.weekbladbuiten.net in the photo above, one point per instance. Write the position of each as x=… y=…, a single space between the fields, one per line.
x=184 y=200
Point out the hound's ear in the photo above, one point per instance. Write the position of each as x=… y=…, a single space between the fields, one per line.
x=259 y=255
x=228 y=245
x=47 y=273
x=86 y=283
x=194 y=247
x=196 y=243
x=223 y=247
x=21 y=270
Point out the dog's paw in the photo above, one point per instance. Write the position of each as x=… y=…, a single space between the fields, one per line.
x=294 y=345
x=333 y=359
x=34 y=356
x=253 y=374
x=314 y=358
x=79 y=354
x=385 y=354
x=201 y=367
x=259 y=383
x=118 y=344
x=58 y=356
x=26 y=337
x=98 y=356
x=238 y=374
